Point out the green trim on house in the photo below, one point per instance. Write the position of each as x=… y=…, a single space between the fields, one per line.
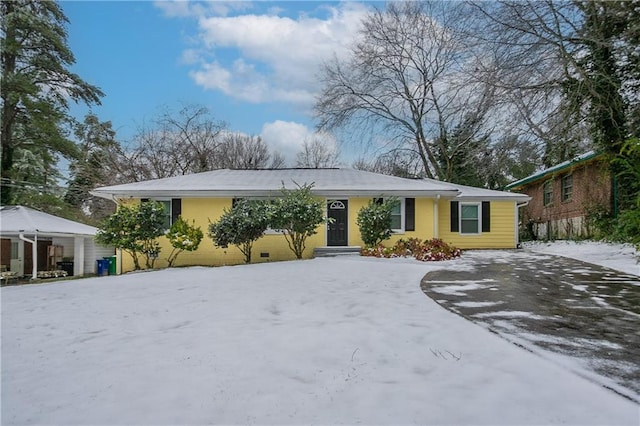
x=555 y=169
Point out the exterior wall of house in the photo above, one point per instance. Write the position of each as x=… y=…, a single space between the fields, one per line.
x=273 y=246
x=502 y=232
x=567 y=219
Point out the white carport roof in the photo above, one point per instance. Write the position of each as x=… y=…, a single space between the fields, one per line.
x=15 y=220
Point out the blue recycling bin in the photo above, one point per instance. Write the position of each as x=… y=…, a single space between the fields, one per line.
x=102 y=267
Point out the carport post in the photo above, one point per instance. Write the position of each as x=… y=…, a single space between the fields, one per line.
x=78 y=256
x=34 y=253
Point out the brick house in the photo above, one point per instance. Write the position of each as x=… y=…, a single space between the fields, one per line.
x=564 y=195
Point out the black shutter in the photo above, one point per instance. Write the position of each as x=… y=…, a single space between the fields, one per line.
x=144 y=200
x=486 y=216
x=455 y=224
x=378 y=200
x=176 y=209
x=409 y=214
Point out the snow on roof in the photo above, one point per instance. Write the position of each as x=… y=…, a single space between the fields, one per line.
x=468 y=192
x=583 y=157
x=264 y=182
x=327 y=182
x=19 y=219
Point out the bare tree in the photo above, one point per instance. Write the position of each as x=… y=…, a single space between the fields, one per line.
x=410 y=76
x=402 y=162
x=570 y=69
x=239 y=151
x=175 y=144
x=317 y=154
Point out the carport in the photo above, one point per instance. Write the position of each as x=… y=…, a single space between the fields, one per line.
x=28 y=235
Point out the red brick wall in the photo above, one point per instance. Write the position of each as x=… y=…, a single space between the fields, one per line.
x=591 y=187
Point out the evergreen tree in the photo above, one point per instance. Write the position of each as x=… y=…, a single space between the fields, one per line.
x=36 y=86
x=93 y=167
x=135 y=229
x=241 y=226
x=298 y=214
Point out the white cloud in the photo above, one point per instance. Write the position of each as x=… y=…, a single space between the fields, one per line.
x=288 y=137
x=188 y=8
x=273 y=58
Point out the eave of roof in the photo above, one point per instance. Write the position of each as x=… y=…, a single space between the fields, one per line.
x=587 y=156
x=269 y=183
x=19 y=219
x=265 y=183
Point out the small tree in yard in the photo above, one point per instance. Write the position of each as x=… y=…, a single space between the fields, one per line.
x=297 y=214
x=374 y=221
x=183 y=236
x=241 y=226
x=135 y=229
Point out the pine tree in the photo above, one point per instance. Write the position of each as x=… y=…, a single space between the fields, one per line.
x=36 y=85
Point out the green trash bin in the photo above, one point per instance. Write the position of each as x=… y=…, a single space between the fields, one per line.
x=112 y=264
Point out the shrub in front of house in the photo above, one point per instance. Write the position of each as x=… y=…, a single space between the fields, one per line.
x=183 y=237
x=430 y=250
x=436 y=249
x=135 y=229
x=241 y=226
x=297 y=213
x=374 y=221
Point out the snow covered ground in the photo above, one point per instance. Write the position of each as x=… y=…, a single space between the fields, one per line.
x=328 y=341
x=621 y=257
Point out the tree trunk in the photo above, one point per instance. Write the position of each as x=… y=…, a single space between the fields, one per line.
x=9 y=106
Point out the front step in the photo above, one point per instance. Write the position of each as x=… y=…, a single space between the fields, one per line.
x=336 y=251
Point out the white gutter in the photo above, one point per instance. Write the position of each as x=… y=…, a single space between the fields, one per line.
x=34 y=253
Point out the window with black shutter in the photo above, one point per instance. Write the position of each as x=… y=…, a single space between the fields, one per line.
x=455 y=218
x=486 y=216
x=409 y=214
x=176 y=209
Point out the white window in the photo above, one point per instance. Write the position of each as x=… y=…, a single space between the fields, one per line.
x=397 y=215
x=547 y=193
x=567 y=187
x=470 y=218
x=167 y=213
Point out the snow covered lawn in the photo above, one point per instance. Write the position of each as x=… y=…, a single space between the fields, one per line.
x=327 y=341
x=621 y=257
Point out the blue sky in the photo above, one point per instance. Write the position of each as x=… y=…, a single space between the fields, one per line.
x=254 y=64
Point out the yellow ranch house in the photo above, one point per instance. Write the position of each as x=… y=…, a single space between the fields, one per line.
x=466 y=217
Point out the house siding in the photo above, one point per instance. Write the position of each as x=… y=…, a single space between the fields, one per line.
x=206 y=210
x=502 y=225
x=567 y=219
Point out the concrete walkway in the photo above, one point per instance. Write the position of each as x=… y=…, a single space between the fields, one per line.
x=578 y=314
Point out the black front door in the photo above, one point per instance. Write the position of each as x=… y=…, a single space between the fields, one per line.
x=338 y=213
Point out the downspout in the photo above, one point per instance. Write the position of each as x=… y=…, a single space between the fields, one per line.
x=34 y=254
x=436 y=219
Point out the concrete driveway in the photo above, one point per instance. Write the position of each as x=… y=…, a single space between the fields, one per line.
x=578 y=314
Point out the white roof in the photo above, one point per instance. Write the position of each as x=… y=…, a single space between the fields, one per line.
x=18 y=219
x=269 y=182
x=473 y=193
